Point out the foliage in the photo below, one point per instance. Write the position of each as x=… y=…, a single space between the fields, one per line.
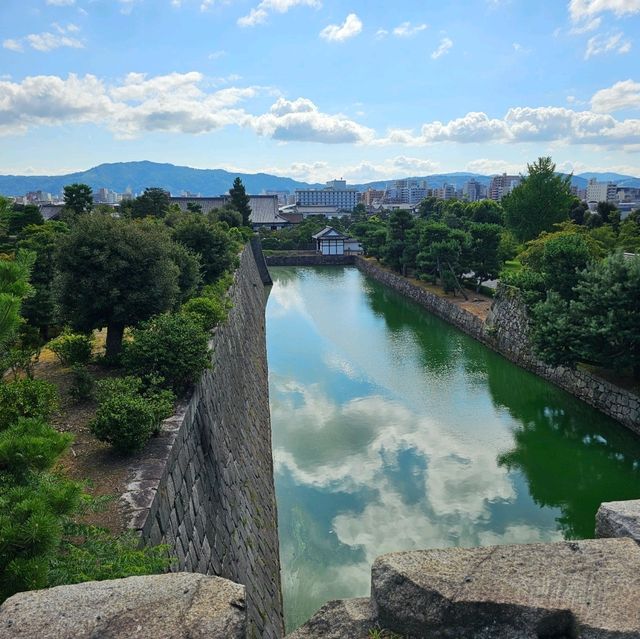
x=190 y=277
x=209 y=241
x=483 y=251
x=82 y=384
x=26 y=398
x=600 y=324
x=128 y=414
x=78 y=199
x=229 y=215
x=19 y=216
x=173 y=347
x=88 y=553
x=208 y=310
x=541 y=200
x=154 y=202
x=72 y=348
x=532 y=284
x=115 y=273
x=240 y=201
x=396 y=247
x=39 y=308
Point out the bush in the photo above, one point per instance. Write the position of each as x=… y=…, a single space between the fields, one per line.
x=72 y=348
x=82 y=384
x=173 y=347
x=26 y=398
x=128 y=415
x=208 y=310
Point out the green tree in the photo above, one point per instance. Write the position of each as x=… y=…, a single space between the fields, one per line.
x=483 y=251
x=114 y=273
x=20 y=216
x=154 y=202
x=209 y=241
x=39 y=309
x=399 y=224
x=78 y=198
x=541 y=200
x=629 y=236
x=240 y=201
x=600 y=325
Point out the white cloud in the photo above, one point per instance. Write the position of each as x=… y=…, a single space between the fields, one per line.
x=584 y=9
x=260 y=13
x=622 y=95
x=61 y=3
x=406 y=29
x=485 y=166
x=301 y=121
x=48 y=41
x=600 y=44
x=589 y=25
x=443 y=48
x=350 y=28
x=13 y=45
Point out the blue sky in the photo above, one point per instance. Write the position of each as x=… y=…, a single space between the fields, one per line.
x=316 y=89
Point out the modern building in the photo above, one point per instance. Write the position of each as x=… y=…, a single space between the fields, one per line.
x=474 y=190
x=335 y=194
x=602 y=191
x=501 y=185
x=410 y=191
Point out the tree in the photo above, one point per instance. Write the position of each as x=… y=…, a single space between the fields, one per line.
x=154 y=202
x=78 y=198
x=240 y=200
x=39 y=309
x=114 y=273
x=600 y=325
x=209 y=241
x=19 y=216
x=14 y=287
x=541 y=200
x=483 y=252
x=399 y=224
x=229 y=215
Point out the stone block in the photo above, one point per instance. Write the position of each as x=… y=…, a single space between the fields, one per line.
x=586 y=589
x=619 y=519
x=175 y=606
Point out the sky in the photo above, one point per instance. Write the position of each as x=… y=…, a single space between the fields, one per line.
x=320 y=89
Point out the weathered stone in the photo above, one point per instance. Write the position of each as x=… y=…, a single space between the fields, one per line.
x=619 y=519
x=585 y=589
x=177 y=606
x=345 y=619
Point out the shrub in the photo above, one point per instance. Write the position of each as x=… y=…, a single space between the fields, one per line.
x=128 y=414
x=26 y=398
x=72 y=348
x=208 y=310
x=82 y=384
x=174 y=347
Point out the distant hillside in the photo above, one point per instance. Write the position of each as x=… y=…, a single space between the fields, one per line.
x=139 y=175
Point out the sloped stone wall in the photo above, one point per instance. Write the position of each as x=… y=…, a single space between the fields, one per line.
x=206 y=486
x=506 y=331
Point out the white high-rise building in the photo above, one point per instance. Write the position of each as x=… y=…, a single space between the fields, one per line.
x=602 y=191
x=335 y=194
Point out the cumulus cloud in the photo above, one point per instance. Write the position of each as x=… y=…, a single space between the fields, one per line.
x=260 y=13
x=622 y=95
x=599 y=44
x=350 y=28
x=301 y=121
x=443 y=48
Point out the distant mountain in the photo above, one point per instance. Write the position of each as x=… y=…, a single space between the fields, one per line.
x=139 y=175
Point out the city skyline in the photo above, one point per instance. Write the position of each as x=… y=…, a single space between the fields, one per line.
x=318 y=90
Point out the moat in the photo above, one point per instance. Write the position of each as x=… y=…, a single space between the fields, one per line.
x=392 y=430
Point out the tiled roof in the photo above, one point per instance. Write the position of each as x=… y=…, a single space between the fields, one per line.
x=264 y=208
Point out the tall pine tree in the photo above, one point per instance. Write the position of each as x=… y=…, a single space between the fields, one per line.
x=240 y=200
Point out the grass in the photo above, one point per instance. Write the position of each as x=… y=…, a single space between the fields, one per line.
x=377 y=633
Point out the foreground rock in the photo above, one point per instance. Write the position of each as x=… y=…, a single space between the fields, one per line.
x=619 y=519
x=175 y=606
x=352 y=618
x=584 y=589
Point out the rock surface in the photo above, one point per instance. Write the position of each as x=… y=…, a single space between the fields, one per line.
x=352 y=618
x=176 y=606
x=585 y=589
x=619 y=519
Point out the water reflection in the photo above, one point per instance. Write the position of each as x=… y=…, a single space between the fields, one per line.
x=391 y=431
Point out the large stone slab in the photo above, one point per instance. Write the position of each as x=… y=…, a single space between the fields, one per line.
x=176 y=606
x=347 y=618
x=584 y=589
x=619 y=519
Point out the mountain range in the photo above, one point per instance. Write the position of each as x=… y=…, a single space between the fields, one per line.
x=177 y=179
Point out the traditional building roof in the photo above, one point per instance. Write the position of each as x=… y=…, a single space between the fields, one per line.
x=51 y=211
x=329 y=233
x=264 y=208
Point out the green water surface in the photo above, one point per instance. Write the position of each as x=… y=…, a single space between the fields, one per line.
x=392 y=430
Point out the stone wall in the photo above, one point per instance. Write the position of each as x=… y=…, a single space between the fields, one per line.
x=506 y=331
x=206 y=484
x=313 y=259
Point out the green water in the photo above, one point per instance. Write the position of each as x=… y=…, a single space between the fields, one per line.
x=392 y=431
